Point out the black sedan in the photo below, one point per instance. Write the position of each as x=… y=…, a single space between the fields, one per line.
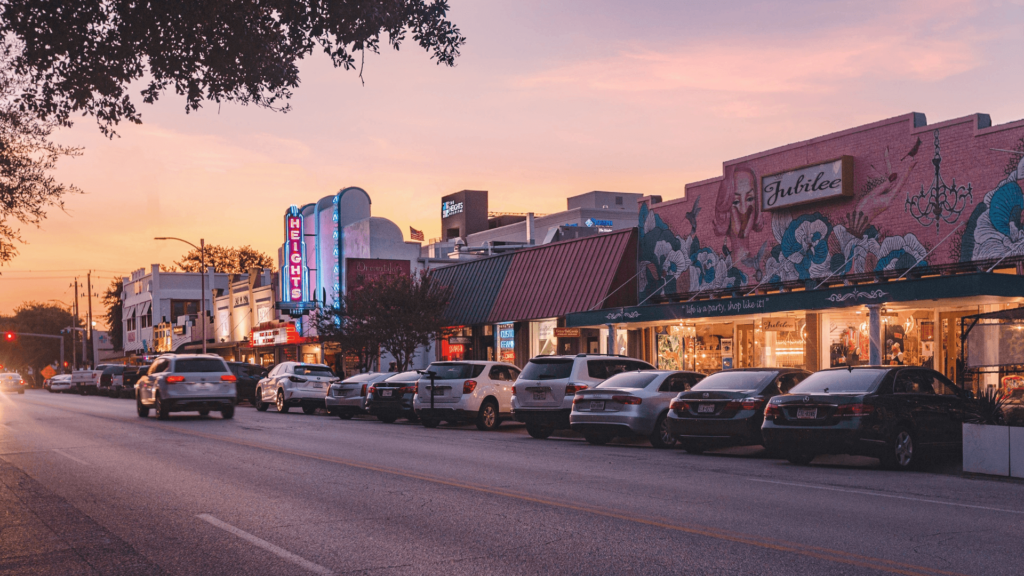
x=392 y=399
x=248 y=376
x=896 y=414
x=727 y=408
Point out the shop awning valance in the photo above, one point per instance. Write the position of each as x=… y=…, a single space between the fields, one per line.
x=127 y=312
x=923 y=289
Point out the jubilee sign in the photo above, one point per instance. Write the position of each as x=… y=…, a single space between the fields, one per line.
x=808 y=184
x=295 y=278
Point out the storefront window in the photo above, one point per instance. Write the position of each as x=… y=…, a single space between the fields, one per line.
x=779 y=342
x=542 y=337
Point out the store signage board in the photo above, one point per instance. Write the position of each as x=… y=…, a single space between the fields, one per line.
x=451 y=208
x=778 y=324
x=808 y=184
x=360 y=271
x=505 y=335
x=294 y=276
x=459 y=340
x=567 y=332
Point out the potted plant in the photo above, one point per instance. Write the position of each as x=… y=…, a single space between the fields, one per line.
x=986 y=443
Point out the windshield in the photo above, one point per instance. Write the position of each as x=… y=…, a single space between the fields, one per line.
x=411 y=376
x=454 y=370
x=629 y=380
x=736 y=380
x=307 y=370
x=359 y=378
x=840 y=381
x=547 y=369
x=200 y=365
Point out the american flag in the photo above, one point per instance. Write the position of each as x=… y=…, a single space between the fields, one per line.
x=416 y=234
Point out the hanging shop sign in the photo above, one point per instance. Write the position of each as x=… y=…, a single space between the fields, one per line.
x=778 y=324
x=361 y=271
x=294 y=273
x=808 y=184
x=567 y=332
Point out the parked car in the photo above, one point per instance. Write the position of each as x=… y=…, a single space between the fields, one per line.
x=186 y=382
x=896 y=414
x=295 y=384
x=630 y=404
x=466 y=391
x=542 y=396
x=392 y=398
x=727 y=408
x=131 y=377
x=88 y=380
x=59 y=383
x=111 y=381
x=248 y=375
x=348 y=397
x=12 y=382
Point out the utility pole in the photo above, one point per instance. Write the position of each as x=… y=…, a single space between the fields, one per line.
x=74 y=351
x=88 y=281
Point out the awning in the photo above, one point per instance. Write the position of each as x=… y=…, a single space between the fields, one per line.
x=127 y=312
x=930 y=289
x=475 y=286
x=144 y=308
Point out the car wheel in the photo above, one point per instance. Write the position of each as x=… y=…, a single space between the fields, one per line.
x=900 y=451
x=387 y=418
x=800 y=458
x=162 y=411
x=487 y=419
x=204 y=412
x=282 y=408
x=597 y=439
x=540 y=431
x=430 y=422
x=309 y=410
x=141 y=409
x=227 y=413
x=345 y=415
x=258 y=402
x=661 y=437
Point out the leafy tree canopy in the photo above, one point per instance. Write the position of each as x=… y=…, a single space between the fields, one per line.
x=82 y=55
x=28 y=351
x=112 y=300
x=225 y=259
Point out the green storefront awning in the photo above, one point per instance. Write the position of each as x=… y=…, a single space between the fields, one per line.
x=936 y=288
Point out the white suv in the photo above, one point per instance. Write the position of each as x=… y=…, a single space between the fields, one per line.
x=542 y=396
x=295 y=384
x=184 y=382
x=466 y=391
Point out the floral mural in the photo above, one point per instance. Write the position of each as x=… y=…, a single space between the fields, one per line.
x=901 y=210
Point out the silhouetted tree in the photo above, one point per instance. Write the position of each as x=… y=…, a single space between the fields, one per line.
x=225 y=259
x=112 y=300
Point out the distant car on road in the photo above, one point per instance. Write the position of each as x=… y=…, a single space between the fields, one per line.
x=542 y=395
x=392 y=399
x=131 y=377
x=348 y=397
x=466 y=391
x=111 y=381
x=12 y=382
x=630 y=404
x=88 y=380
x=727 y=408
x=186 y=382
x=295 y=384
x=896 y=414
x=249 y=375
x=59 y=383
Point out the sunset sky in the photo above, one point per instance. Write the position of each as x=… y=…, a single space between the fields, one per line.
x=548 y=100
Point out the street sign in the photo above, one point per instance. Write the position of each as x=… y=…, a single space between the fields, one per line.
x=48 y=372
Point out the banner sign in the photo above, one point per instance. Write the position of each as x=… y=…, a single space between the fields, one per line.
x=808 y=184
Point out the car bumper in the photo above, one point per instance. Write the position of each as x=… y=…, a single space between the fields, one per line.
x=558 y=418
x=622 y=423
x=378 y=408
x=716 y=430
x=189 y=404
x=820 y=440
x=340 y=404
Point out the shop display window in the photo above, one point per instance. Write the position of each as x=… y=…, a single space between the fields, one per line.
x=706 y=348
x=780 y=342
x=542 y=337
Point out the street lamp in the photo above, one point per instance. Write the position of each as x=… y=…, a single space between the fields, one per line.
x=202 y=278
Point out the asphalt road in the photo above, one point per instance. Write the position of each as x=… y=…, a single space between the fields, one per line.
x=87 y=487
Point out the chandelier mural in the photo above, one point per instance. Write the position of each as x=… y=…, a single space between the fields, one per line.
x=941 y=202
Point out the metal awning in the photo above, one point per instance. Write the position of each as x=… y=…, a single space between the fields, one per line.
x=127 y=312
x=144 y=308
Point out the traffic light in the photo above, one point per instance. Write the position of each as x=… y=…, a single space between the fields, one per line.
x=9 y=336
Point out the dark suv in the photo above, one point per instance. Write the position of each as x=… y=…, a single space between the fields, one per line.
x=891 y=413
x=248 y=376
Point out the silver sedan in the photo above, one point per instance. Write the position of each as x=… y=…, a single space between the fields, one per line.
x=348 y=398
x=630 y=404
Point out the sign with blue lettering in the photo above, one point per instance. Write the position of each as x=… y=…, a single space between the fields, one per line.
x=505 y=338
x=591 y=222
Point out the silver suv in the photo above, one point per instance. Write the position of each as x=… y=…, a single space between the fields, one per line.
x=542 y=396
x=295 y=384
x=186 y=382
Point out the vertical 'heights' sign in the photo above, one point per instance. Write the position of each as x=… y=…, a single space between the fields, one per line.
x=294 y=275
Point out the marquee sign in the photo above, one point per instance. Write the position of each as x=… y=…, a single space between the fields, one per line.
x=808 y=184
x=273 y=336
x=294 y=278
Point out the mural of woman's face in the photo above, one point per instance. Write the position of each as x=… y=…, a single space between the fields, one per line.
x=742 y=204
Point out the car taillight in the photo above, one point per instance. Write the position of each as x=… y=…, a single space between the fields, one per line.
x=574 y=388
x=851 y=410
x=468 y=386
x=362 y=391
x=514 y=389
x=772 y=411
x=175 y=379
x=754 y=403
x=229 y=378
x=371 y=390
x=408 y=389
x=578 y=399
x=678 y=405
x=627 y=400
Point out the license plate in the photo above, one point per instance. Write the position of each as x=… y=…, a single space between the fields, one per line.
x=807 y=413
x=437 y=391
x=318 y=385
x=597 y=405
x=705 y=408
x=385 y=393
x=540 y=395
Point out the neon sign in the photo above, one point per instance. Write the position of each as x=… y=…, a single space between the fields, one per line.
x=295 y=256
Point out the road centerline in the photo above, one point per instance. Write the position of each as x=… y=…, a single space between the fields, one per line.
x=261 y=543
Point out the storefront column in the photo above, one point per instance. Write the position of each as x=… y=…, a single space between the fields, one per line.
x=874 y=334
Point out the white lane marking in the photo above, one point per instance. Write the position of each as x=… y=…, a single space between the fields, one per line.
x=315 y=568
x=69 y=456
x=869 y=493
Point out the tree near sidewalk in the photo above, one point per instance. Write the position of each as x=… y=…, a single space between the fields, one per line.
x=30 y=352
x=225 y=259
x=342 y=330
x=83 y=55
x=112 y=300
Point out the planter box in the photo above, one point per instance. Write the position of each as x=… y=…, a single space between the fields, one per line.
x=1017 y=452
x=987 y=449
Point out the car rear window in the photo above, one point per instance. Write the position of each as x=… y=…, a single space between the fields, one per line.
x=739 y=380
x=304 y=370
x=411 y=376
x=629 y=380
x=840 y=381
x=199 y=365
x=547 y=369
x=455 y=371
x=115 y=370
